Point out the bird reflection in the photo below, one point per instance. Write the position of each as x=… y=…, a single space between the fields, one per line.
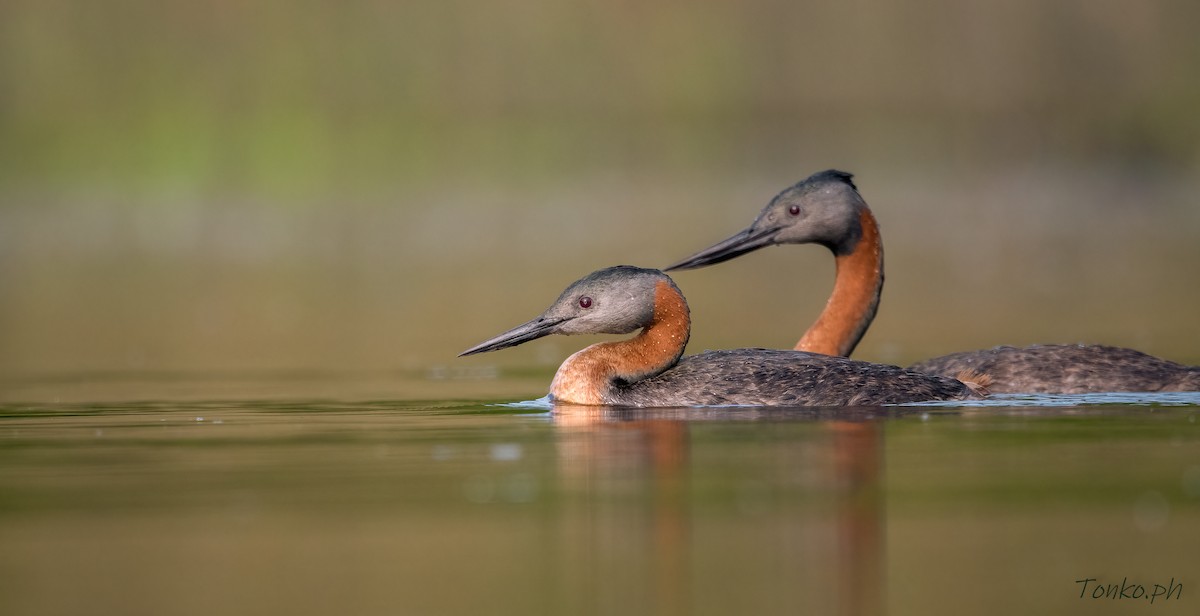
x=629 y=474
x=636 y=511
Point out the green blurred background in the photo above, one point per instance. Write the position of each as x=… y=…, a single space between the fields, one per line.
x=372 y=186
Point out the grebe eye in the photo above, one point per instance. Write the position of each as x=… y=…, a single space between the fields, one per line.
x=794 y=210
x=585 y=302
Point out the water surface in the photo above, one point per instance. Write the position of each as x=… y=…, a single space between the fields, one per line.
x=270 y=504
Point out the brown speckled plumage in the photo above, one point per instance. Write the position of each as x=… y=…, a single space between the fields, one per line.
x=784 y=378
x=1067 y=369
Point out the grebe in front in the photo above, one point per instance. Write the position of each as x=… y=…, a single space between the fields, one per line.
x=826 y=209
x=647 y=370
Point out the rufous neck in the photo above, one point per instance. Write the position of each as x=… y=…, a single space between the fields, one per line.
x=855 y=297
x=589 y=375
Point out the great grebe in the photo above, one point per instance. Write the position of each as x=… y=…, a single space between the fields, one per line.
x=827 y=209
x=647 y=370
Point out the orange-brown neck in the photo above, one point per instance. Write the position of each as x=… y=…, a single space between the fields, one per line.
x=856 y=289
x=589 y=375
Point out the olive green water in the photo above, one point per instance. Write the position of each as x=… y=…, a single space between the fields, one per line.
x=320 y=506
x=241 y=244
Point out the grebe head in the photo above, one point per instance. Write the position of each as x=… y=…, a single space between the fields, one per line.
x=615 y=300
x=821 y=209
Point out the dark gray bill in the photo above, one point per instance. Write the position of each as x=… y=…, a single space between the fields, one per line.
x=520 y=334
x=746 y=240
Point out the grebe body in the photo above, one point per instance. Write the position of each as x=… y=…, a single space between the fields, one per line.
x=1068 y=369
x=765 y=377
x=647 y=370
x=827 y=209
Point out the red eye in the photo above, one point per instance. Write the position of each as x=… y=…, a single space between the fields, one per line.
x=585 y=302
x=794 y=210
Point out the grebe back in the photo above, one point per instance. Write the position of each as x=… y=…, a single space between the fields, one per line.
x=1068 y=369
x=647 y=370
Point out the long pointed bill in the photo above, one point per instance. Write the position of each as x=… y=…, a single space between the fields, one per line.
x=746 y=240
x=520 y=334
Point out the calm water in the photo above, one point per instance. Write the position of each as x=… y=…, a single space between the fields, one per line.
x=286 y=505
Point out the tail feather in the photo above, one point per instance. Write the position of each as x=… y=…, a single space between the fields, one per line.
x=1191 y=381
x=975 y=380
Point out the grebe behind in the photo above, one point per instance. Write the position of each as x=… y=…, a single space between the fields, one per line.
x=827 y=209
x=647 y=370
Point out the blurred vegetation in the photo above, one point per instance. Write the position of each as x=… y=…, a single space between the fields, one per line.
x=290 y=101
x=268 y=184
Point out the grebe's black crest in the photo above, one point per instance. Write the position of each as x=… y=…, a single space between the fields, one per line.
x=831 y=175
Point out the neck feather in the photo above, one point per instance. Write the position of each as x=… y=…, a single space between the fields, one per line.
x=855 y=297
x=588 y=376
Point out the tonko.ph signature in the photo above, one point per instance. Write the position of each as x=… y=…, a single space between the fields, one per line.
x=1092 y=588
